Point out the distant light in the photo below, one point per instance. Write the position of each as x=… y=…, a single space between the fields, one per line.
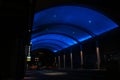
x=28 y=58
x=73 y=32
x=89 y=21
x=55 y=51
x=29 y=30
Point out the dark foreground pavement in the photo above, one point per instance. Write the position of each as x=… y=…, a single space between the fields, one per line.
x=67 y=75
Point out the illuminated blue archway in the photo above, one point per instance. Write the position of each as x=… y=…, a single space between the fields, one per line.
x=59 y=19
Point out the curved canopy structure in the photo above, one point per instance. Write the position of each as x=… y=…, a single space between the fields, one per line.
x=60 y=27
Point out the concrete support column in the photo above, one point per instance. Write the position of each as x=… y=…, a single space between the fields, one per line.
x=98 y=55
x=59 y=62
x=71 y=60
x=64 y=60
x=55 y=62
x=81 y=56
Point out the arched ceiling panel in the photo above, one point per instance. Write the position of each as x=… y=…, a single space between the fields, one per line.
x=51 y=25
x=89 y=19
x=56 y=37
x=68 y=24
x=52 y=43
x=49 y=47
x=71 y=31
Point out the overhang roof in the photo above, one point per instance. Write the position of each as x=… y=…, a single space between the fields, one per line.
x=60 y=27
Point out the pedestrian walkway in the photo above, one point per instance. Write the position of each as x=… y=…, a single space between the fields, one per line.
x=65 y=75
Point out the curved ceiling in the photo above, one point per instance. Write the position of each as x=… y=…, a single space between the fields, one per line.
x=60 y=27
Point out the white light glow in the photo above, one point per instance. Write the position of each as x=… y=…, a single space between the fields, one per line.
x=55 y=73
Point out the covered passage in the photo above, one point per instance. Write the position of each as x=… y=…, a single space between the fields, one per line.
x=60 y=28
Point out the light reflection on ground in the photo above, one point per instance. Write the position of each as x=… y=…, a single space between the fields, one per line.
x=54 y=73
x=29 y=78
